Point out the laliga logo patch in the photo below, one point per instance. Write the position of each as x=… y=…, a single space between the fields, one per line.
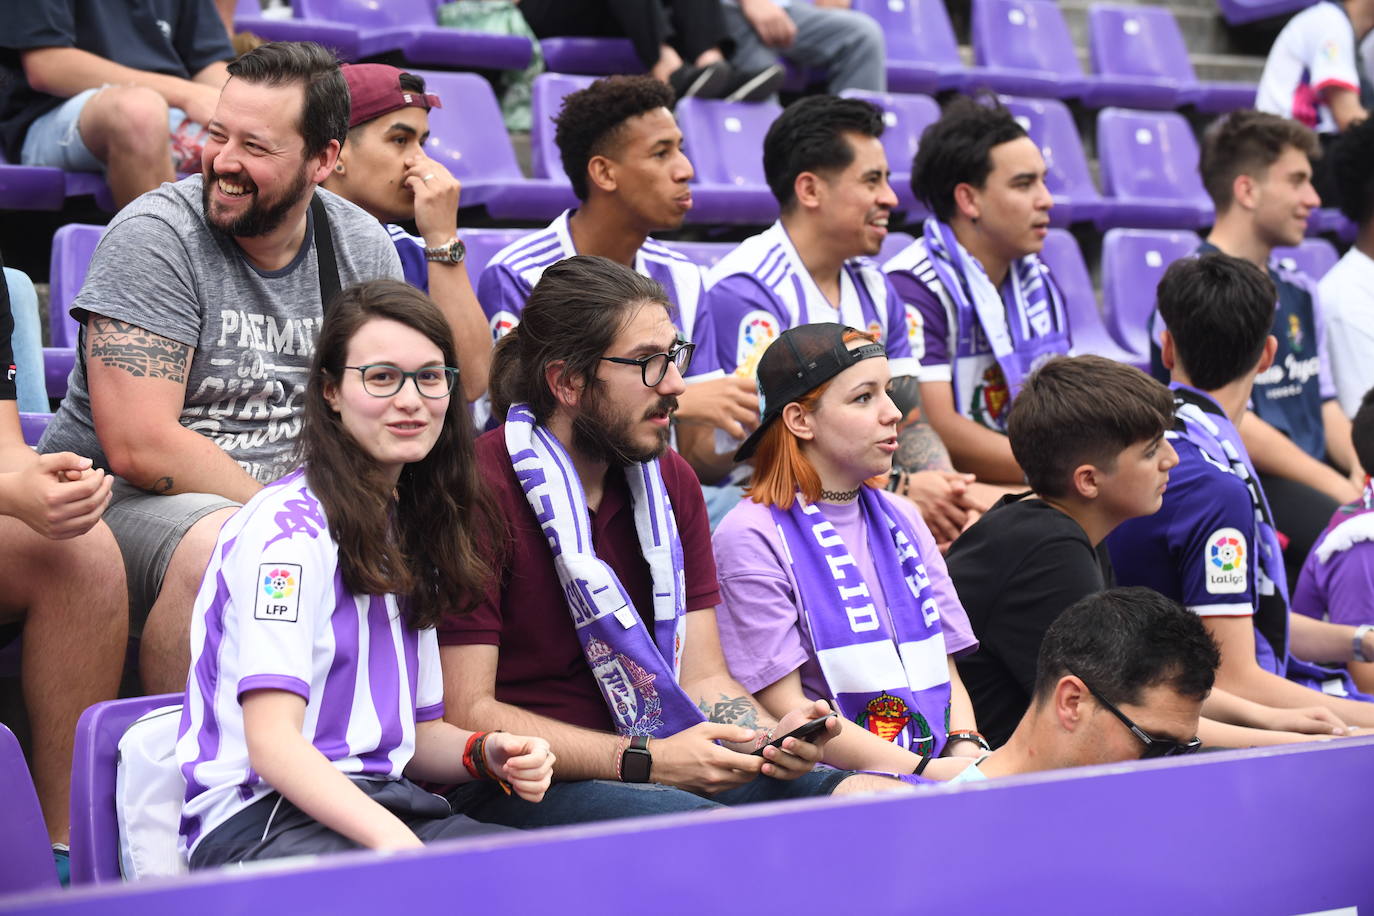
x=279 y=592
x=502 y=323
x=915 y=331
x=1225 y=562
x=757 y=330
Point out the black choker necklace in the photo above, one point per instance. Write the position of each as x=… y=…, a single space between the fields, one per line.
x=839 y=496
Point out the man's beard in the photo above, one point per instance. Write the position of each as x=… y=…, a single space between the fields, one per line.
x=260 y=218
x=600 y=434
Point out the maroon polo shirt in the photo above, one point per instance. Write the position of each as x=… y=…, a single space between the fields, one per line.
x=541 y=666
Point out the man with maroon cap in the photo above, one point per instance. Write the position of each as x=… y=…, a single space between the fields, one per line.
x=383 y=169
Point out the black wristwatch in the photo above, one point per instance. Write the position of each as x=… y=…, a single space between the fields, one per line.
x=635 y=761
x=451 y=252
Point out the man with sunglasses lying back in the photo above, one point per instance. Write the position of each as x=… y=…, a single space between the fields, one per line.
x=1122 y=675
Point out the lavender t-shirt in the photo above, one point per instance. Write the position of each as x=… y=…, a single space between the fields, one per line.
x=761 y=631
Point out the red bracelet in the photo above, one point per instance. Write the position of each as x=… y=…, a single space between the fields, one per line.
x=474 y=741
x=621 y=745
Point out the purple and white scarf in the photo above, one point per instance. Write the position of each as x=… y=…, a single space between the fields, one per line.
x=1022 y=332
x=637 y=673
x=888 y=671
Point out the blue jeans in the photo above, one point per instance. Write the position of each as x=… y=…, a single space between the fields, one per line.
x=54 y=138
x=847 y=44
x=605 y=800
x=27 y=343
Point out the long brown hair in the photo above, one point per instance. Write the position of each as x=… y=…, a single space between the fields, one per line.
x=419 y=545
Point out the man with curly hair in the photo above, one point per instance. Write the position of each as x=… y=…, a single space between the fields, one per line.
x=622 y=151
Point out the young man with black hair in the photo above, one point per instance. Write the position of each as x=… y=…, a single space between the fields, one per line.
x=1120 y=675
x=988 y=309
x=1090 y=433
x=1257 y=170
x=1347 y=290
x=825 y=164
x=1213 y=545
x=622 y=151
x=1337 y=581
x=383 y=168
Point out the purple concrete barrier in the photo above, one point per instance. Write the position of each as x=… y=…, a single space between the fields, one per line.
x=1202 y=835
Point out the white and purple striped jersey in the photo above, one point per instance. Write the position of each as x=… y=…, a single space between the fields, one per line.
x=512 y=273
x=762 y=288
x=273 y=613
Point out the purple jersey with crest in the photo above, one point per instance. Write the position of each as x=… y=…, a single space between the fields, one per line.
x=273 y=613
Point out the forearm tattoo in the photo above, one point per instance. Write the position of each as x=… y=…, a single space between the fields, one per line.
x=142 y=354
x=732 y=711
x=918 y=445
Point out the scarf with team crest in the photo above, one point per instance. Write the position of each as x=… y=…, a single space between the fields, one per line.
x=637 y=673
x=1022 y=332
x=888 y=671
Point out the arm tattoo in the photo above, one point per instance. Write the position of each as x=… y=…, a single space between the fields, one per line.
x=142 y=354
x=161 y=485
x=732 y=711
x=918 y=445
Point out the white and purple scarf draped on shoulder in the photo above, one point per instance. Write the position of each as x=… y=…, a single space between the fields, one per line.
x=1023 y=332
x=637 y=673
x=887 y=670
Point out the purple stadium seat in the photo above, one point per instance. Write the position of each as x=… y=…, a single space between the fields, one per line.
x=468 y=136
x=356 y=29
x=705 y=254
x=72 y=247
x=482 y=245
x=594 y=56
x=1065 y=261
x=1141 y=61
x=1238 y=12
x=95 y=830
x=905 y=117
x=1133 y=260
x=922 y=55
x=1148 y=161
x=1313 y=257
x=1049 y=124
x=725 y=142
x=1325 y=220
x=547 y=98
x=33 y=424
x=894 y=244
x=30 y=187
x=1026 y=49
x=25 y=857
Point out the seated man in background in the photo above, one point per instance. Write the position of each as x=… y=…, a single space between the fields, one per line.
x=64 y=591
x=825 y=165
x=1090 y=433
x=1337 y=581
x=1347 y=290
x=988 y=310
x=846 y=44
x=1257 y=170
x=622 y=151
x=200 y=311
x=1213 y=545
x=383 y=168
x=110 y=85
x=1120 y=675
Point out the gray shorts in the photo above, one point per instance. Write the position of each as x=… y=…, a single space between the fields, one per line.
x=54 y=138
x=148 y=529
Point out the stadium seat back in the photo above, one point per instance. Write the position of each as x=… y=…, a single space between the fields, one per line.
x=725 y=140
x=467 y=135
x=72 y=247
x=1024 y=35
x=95 y=828
x=483 y=244
x=26 y=862
x=1137 y=41
x=704 y=254
x=368 y=14
x=916 y=31
x=1133 y=261
x=1151 y=157
x=1313 y=257
x=1065 y=261
x=547 y=97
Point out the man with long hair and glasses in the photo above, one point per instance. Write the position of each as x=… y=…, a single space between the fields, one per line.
x=1122 y=675
x=316 y=693
x=624 y=675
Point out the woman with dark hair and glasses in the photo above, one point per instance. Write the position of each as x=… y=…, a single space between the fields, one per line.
x=831 y=587
x=315 y=695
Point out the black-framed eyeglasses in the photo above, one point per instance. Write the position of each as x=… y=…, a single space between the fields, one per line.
x=1154 y=747
x=654 y=367
x=383 y=381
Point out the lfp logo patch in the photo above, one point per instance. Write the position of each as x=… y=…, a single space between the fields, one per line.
x=757 y=330
x=502 y=323
x=279 y=592
x=1226 y=562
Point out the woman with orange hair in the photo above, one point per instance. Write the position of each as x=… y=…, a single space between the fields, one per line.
x=830 y=586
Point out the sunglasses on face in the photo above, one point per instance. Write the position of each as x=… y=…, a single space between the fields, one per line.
x=1154 y=747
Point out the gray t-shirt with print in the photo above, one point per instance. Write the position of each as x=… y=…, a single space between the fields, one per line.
x=161 y=267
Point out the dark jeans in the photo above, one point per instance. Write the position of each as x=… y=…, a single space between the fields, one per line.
x=689 y=26
x=604 y=800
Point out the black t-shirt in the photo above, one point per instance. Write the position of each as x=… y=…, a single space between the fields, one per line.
x=1016 y=570
x=175 y=37
x=7 y=367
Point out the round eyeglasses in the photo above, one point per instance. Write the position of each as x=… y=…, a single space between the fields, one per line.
x=654 y=367
x=383 y=381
